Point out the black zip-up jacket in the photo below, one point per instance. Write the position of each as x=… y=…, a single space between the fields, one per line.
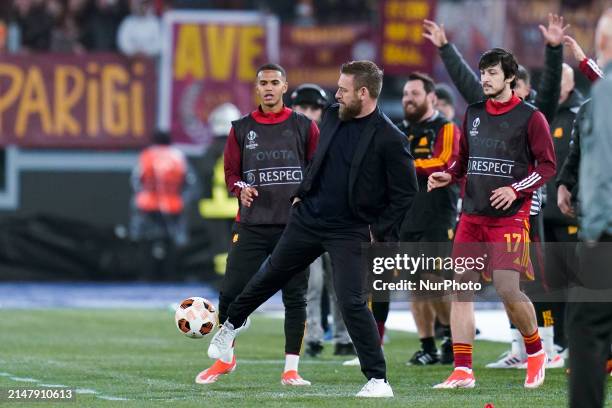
x=468 y=83
x=568 y=176
x=561 y=130
x=382 y=179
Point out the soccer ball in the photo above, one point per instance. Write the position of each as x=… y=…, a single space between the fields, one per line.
x=196 y=317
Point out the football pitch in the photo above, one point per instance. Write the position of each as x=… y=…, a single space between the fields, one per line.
x=137 y=358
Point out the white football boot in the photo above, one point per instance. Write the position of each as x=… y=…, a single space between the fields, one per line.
x=221 y=345
x=376 y=388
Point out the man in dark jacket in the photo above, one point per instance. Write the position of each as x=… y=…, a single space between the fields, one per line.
x=362 y=175
x=567 y=178
x=546 y=100
x=558 y=228
x=590 y=315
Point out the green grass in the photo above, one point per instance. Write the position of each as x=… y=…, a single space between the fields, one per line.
x=139 y=355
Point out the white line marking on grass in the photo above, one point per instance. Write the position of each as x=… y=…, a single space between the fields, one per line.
x=110 y=398
x=25 y=379
x=311 y=362
x=85 y=391
x=77 y=391
x=272 y=394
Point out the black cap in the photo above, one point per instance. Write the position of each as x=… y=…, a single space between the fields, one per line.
x=445 y=93
x=309 y=94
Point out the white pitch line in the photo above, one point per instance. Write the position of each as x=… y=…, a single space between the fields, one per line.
x=305 y=361
x=24 y=379
x=110 y=398
x=77 y=391
x=85 y=391
x=285 y=395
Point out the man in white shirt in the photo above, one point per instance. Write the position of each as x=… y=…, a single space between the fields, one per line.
x=140 y=32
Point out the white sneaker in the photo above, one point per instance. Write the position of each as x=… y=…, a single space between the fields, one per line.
x=221 y=344
x=508 y=360
x=376 y=388
x=556 y=362
x=563 y=351
x=352 y=363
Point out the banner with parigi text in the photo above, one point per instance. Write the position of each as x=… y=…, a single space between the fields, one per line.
x=209 y=58
x=76 y=101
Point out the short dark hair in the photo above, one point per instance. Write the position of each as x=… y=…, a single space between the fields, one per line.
x=523 y=74
x=428 y=82
x=445 y=93
x=272 y=67
x=366 y=74
x=500 y=56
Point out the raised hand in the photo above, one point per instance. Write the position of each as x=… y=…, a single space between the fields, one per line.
x=435 y=33
x=576 y=49
x=553 y=34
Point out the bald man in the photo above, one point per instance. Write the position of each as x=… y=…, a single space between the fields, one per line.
x=560 y=262
x=590 y=321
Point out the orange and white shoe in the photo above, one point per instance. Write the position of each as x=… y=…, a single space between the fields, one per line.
x=461 y=377
x=536 y=369
x=292 y=377
x=212 y=374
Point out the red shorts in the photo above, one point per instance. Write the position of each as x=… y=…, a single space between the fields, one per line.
x=503 y=247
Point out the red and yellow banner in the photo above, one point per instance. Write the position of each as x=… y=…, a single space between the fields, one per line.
x=211 y=58
x=70 y=101
x=315 y=54
x=403 y=47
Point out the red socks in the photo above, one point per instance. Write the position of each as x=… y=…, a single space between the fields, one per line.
x=463 y=351
x=463 y=355
x=533 y=343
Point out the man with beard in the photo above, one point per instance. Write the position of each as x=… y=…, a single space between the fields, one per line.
x=507 y=154
x=359 y=186
x=311 y=100
x=265 y=154
x=434 y=143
